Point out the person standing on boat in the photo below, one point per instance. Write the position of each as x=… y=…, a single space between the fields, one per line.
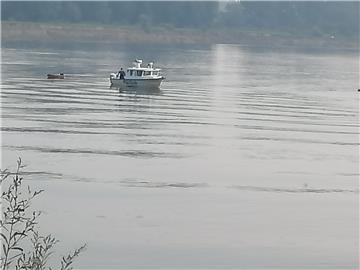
x=122 y=74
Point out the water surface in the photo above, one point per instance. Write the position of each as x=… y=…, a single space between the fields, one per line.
x=245 y=158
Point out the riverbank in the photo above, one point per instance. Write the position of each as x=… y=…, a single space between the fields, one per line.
x=13 y=31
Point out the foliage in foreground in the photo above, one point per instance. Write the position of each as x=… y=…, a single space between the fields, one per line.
x=22 y=245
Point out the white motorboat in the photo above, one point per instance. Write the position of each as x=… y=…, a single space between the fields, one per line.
x=137 y=76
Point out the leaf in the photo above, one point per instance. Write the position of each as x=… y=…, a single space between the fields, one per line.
x=4 y=236
x=19 y=233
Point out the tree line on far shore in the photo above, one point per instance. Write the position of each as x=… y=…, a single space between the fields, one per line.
x=297 y=18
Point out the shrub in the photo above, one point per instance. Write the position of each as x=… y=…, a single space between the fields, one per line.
x=22 y=245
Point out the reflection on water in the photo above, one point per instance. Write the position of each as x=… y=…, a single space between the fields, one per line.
x=137 y=91
x=226 y=116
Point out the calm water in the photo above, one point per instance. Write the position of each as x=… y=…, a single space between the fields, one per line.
x=246 y=157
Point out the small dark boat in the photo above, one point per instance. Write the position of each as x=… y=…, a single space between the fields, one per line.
x=56 y=76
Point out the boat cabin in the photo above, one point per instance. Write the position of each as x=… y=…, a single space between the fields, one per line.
x=140 y=72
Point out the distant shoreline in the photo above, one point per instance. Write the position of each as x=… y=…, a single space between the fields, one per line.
x=13 y=31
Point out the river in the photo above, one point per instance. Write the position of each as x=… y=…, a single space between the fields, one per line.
x=247 y=157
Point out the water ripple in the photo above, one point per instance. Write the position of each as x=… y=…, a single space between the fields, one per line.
x=126 y=153
x=295 y=190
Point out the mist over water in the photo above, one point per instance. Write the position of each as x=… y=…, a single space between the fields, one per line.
x=246 y=157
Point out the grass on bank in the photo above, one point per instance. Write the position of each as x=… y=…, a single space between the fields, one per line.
x=164 y=34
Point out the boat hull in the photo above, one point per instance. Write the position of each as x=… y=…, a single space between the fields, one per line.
x=134 y=83
x=55 y=76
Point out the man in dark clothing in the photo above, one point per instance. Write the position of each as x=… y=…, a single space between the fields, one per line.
x=122 y=74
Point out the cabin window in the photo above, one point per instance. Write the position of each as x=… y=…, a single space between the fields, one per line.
x=131 y=72
x=147 y=73
x=139 y=73
x=156 y=73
